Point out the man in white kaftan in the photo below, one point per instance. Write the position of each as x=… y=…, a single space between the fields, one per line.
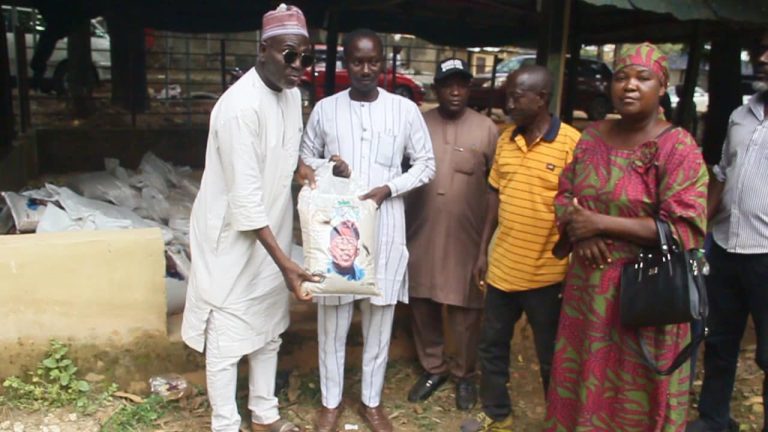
x=241 y=225
x=368 y=130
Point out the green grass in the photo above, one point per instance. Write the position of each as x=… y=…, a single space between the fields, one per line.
x=130 y=418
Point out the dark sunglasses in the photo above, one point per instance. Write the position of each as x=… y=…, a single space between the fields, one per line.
x=290 y=56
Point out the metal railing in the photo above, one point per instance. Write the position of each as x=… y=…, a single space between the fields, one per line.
x=185 y=75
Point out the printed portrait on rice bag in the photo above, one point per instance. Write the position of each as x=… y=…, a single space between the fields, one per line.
x=344 y=248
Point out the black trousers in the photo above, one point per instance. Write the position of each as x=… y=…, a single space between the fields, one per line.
x=737 y=287
x=502 y=311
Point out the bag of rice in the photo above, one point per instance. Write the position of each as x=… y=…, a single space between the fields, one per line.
x=339 y=234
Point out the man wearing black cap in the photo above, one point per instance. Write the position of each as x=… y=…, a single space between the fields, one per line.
x=444 y=224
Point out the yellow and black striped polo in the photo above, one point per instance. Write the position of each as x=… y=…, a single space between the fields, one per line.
x=526 y=178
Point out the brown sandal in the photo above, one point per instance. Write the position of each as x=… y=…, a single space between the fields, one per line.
x=278 y=426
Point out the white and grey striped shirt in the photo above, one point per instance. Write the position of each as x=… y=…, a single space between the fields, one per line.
x=741 y=224
x=373 y=137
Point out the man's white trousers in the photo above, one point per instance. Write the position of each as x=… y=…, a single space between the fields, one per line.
x=221 y=376
x=333 y=324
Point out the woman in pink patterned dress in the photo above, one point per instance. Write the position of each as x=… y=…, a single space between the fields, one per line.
x=624 y=173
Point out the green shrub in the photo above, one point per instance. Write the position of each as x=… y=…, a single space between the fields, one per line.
x=53 y=384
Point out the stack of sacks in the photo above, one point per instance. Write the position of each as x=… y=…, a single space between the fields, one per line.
x=157 y=195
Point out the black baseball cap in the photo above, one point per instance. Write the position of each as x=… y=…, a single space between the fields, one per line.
x=452 y=66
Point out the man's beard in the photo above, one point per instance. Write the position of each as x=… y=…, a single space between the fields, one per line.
x=759 y=86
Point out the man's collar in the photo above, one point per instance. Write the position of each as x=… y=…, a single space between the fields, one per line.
x=549 y=136
x=757 y=104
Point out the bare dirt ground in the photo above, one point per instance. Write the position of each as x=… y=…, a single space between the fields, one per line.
x=300 y=399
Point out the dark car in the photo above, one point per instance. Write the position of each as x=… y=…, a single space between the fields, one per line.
x=404 y=84
x=592 y=86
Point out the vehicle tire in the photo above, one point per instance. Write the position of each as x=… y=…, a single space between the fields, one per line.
x=60 y=84
x=404 y=92
x=598 y=108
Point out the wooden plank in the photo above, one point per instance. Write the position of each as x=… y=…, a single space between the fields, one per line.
x=686 y=108
x=553 y=43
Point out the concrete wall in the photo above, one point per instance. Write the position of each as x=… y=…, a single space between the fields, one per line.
x=105 y=288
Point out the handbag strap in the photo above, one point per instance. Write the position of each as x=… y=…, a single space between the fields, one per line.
x=691 y=347
x=666 y=243
x=663 y=132
x=680 y=358
x=662 y=229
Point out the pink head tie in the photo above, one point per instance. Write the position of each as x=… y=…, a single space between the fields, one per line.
x=646 y=55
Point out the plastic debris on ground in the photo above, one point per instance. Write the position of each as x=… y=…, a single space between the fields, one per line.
x=158 y=194
x=169 y=386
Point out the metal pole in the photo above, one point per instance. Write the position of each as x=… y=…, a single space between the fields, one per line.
x=384 y=74
x=131 y=91
x=168 y=49
x=572 y=68
x=686 y=108
x=79 y=65
x=492 y=93
x=22 y=77
x=724 y=92
x=34 y=28
x=553 y=43
x=394 y=67
x=223 y=64
x=313 y=90
x=331 y=50
x=187 y=92
x=6 y=93
x=471 y=61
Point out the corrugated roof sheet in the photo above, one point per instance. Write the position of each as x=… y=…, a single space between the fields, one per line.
x=754 y=11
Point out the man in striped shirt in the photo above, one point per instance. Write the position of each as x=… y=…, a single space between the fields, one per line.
x=737 y=285
x=521 y=275
x=367 y=131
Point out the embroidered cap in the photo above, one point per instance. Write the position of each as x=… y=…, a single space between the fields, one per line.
x=285 y=20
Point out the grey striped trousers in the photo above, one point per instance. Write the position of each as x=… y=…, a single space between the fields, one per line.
x=333 y=324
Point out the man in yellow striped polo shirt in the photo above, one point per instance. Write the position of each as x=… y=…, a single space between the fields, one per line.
x=521 y=275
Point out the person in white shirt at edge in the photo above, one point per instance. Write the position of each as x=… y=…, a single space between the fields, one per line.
x=367 y=130
x=241 y=227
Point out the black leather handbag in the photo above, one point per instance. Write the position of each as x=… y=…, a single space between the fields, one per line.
x=665 y=286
